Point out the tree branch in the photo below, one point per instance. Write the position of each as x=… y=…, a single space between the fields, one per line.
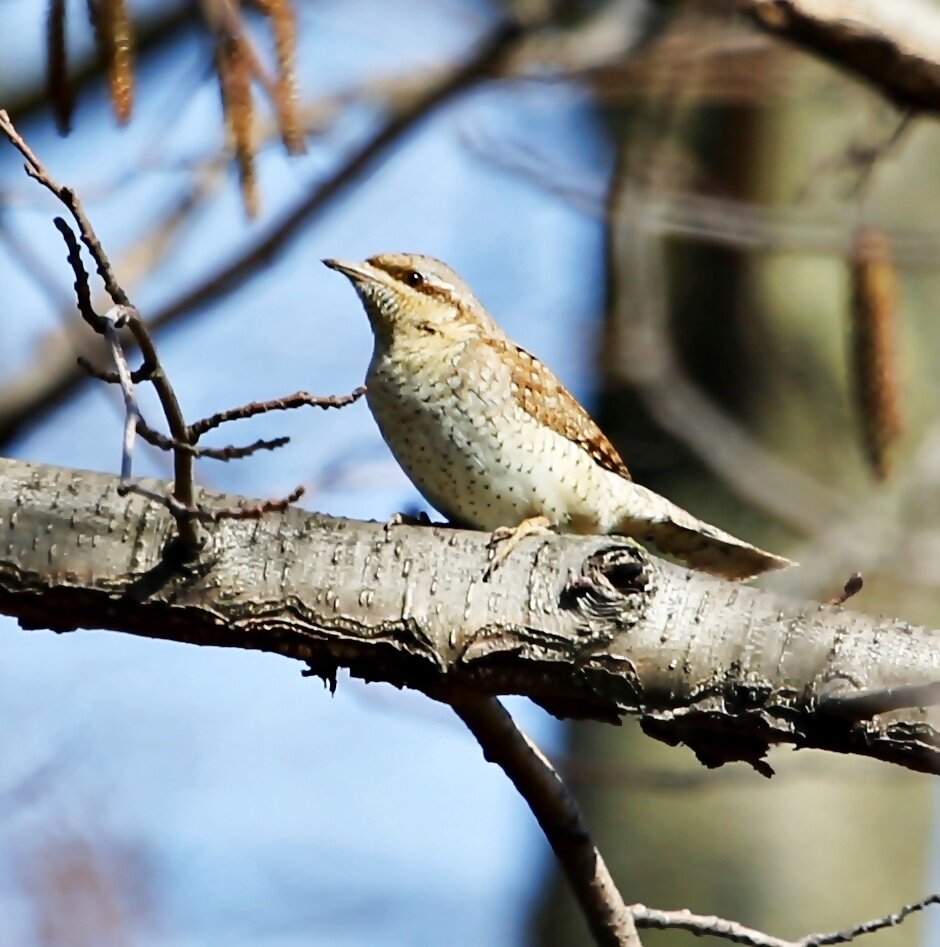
x=558 y=815
x=585 y=626
x=895 y=46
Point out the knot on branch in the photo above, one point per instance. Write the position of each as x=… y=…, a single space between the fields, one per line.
x=611 y=590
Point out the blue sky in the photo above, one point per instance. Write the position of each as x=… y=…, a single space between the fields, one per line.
x=265 y=810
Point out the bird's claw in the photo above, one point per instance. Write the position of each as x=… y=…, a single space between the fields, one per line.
x=504 y=539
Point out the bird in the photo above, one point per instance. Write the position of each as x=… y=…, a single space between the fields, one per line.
x=492 y=439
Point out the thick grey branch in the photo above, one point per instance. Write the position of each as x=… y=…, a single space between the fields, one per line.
x=586 y=626
x=895 y=46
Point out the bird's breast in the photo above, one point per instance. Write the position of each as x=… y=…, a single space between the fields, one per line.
x=456 y=428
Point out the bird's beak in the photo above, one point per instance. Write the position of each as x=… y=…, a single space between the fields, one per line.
x=355 y=271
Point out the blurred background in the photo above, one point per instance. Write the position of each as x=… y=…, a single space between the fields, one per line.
x=726 y=248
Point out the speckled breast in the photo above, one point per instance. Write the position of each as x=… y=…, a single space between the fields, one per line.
x=473 y=452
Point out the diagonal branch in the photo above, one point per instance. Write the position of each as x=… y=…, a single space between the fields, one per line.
x=585 y=626
x=558 y=815
x=894 y=46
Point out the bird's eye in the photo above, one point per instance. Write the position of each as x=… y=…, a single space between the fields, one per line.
x=414 y=278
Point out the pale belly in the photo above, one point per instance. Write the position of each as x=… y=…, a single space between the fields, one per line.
x=484 y=462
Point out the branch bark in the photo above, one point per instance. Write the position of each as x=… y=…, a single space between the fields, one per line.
x=585 y=626
x=895 y=46
x=558 y=814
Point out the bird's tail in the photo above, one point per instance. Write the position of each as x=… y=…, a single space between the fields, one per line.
x=653 y=518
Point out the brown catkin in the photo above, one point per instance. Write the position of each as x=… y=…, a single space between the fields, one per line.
x=114 y=38
x=284 y=28
x=120 y=58
x=235 y=85
x=57 y=67
x=874 y=346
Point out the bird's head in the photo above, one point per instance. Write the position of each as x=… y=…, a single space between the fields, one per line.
x=409 y=297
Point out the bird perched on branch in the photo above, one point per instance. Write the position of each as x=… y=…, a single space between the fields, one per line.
x=493 y=439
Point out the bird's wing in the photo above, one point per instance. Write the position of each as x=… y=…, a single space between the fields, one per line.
x=540 y=394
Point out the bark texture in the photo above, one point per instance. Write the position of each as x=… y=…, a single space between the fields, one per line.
x=586 y=626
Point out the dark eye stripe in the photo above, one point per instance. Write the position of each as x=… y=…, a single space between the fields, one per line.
x=425 y=288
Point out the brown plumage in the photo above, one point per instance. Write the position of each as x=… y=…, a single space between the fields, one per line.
x=491 y=437
x=542 y=396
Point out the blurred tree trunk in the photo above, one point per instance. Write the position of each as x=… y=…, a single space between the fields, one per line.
x=829 y=841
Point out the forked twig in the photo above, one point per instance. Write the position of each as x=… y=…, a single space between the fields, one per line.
x=182 y=438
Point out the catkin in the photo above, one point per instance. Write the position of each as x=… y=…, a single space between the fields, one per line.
x=57 y=71
x=235 y=85
x=874 y=347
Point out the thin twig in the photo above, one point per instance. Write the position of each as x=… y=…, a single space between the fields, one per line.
x=296 y=400
x=82 y=292
x=700 y=924
x=115 y=318
x=231 y=452
x=137 y=375
x=249 y=511
x=558 y=815
x=488 y=59
x=67 y=196
x=853 y=585
x=152 y=369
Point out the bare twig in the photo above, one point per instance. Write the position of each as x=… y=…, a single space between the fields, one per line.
x=230 y=452
x=853 y=586
x=67 y=196
x=558 y=815
x=114 y=319
x=246 y=511
x=137 y=375
x=700 y=924
x=481 y=65
x=125 y=316
x=296 y=400
x=82 y=292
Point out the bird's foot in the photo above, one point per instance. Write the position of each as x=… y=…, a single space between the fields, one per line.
x=504 y=539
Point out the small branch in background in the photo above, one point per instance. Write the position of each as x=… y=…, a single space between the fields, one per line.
x=558 y=815
x=182 y=438
x=853 y=586
x=296 y=400
x=700 y=925
x=893 y=46
x=57 y=66
x=114 y=319
x=245 y=511
x=231 y=452
x=876 y=372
